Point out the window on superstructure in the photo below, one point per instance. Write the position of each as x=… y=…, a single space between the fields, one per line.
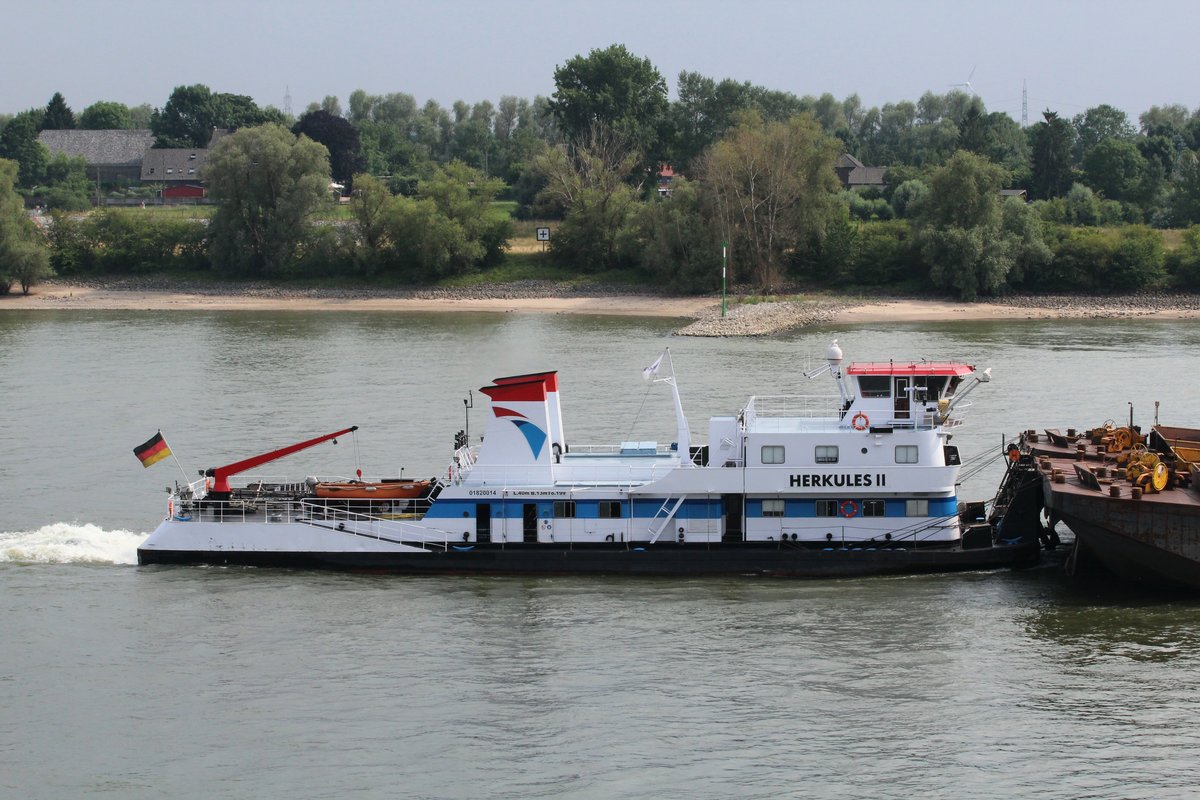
x=827 y=454
x=827 y=508
x=610 y=509
x=916 y=508
x=564 y=509
x=772 y=508
x=875 y=385
x=772 y=454
x=907 y=454
x=874 y=508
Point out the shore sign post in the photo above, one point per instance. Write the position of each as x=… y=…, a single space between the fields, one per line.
x=543 y=236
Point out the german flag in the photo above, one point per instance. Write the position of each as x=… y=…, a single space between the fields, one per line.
x=153 y=451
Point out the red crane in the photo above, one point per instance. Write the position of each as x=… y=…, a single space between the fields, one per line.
x=221 y=475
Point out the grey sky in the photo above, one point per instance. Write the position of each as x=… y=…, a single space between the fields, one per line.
x=1073 y=54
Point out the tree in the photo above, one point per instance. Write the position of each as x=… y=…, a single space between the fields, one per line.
x=23 y=256
x=58 y=114
x=616 y=89
x=267 y=184
x=1052 y=141
x=1184 y=200
x=339 y=137
x=773 y=187
x=67 y=183
x=1097 y=124
x=192 y=112
x=19 y=143
x=671 y=241
x=960 y=228
x=586 y=179
x=1116 y=169
x=106 y=116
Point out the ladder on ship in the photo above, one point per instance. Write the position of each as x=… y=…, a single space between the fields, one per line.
x=667 y=513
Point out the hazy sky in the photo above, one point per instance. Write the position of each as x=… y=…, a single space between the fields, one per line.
x=1073 y=55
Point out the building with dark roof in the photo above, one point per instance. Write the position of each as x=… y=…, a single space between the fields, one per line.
x=854 y=175
x=109 y=155
x=169 y=165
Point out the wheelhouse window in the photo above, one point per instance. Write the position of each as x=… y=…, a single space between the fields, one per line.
x=827 y=454
x=875 y=385
x=907 y=454
x=874 y=508
x=610 y=509
x=772 y=454
x=772 y=508
x=916 y=508
x=827 y=508
x=564 y=509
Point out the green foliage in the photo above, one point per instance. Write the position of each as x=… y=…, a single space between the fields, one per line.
x=67 y=183
x=267 y=185
x=1184 y=262
x=1052 y=141
x=19 y=143
x=191 y=113
x=863 y=208
x=125 y=241
x=884 y=255
x=1094 y=260
x=448 y=230
x=1184 y=202
x=1116 y=169
x=1137 y=262
x=772 y=188
x=586 y=180
x=105 y=115
x=1081 y=205
x=23 y=256
x=1098 y=124
x=614 y=89
x=669 y=239
x=961 y=228
x=58 y=114
x=908 y=196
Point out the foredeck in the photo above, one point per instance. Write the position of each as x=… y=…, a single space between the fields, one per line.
x=1072 y=465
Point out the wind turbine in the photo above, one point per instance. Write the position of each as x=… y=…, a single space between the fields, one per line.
x=966 y=84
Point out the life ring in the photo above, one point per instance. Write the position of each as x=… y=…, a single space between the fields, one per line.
x=860 y=422
x=849 y=508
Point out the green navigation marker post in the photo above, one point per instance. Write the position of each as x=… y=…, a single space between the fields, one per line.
x=724 y=247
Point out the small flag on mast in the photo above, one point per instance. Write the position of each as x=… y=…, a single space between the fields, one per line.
x=652 y=370
x=154 y=450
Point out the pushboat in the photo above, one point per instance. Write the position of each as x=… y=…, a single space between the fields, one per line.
x=858 y=482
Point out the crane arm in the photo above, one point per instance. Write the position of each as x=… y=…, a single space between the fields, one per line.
x=220 y=475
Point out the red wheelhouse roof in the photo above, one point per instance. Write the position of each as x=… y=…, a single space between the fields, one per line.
x=913 y=368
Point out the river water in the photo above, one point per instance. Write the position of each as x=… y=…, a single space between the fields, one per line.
x=127 y=682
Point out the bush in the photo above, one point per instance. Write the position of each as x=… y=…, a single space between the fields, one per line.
x=1183 y=264
x=126 y=241
x=886 y=255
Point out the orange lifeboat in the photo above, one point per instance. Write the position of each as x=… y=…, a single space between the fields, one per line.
x=359 y=490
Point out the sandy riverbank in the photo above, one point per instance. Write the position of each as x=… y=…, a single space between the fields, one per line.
x=741 y=319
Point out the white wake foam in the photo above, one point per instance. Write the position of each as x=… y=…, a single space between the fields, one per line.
x=68 y=543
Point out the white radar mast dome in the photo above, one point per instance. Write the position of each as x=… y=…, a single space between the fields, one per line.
x=834 y=354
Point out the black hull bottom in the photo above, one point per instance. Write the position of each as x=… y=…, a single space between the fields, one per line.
x=768 y=561
x=1132 y=560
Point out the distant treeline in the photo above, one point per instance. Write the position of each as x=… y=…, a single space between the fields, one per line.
x=753 y=169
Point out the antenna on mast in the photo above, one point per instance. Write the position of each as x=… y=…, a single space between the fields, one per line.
x=287 y=100
x=1024 y=104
